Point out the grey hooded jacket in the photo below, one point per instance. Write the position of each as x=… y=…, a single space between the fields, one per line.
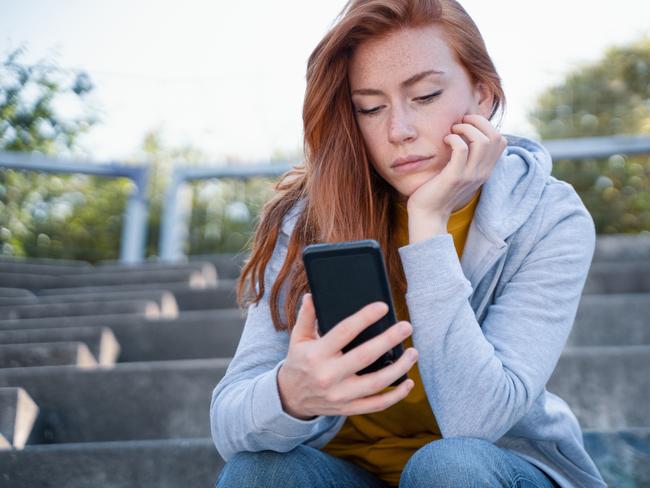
x=489 y=328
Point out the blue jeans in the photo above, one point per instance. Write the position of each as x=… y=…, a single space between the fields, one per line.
x=449 y=462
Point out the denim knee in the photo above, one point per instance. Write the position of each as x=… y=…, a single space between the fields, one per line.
x=267 y=468
x=252 y=469
x=452 y=462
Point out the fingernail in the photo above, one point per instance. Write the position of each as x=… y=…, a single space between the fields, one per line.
x=412 y=354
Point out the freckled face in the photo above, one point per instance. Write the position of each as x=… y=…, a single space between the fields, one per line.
x=399 y=120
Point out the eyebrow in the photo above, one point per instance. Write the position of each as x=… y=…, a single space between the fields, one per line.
x=404 y=84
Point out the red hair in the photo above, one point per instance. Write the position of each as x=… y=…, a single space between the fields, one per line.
x=345 y=198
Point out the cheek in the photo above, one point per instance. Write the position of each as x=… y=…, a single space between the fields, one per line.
x=372 y=141
x=437 y=123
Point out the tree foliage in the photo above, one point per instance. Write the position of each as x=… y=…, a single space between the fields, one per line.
x=45 y=214
x=80 y=216
x=610 y=96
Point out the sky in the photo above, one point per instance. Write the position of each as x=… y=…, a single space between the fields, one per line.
x=229 y=77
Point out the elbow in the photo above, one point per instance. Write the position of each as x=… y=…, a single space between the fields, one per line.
x=218 y=432
x=488 y=419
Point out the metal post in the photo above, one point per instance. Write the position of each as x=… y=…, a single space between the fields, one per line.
x=134 y=228
x=133 y=239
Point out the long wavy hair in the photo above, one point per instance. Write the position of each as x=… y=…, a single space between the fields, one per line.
x=344 y=197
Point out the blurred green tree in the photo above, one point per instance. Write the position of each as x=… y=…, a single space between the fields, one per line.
x=45 y=214
x=607 y=97
x=80 y=216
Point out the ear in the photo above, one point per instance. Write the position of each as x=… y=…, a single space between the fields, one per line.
x=483 y=99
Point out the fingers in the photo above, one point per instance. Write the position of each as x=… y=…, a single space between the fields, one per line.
x=473 y=135
x=305 y=328
x=485 y=143
x=371 y=383
x=483 y=125
x=459 y=153
x=488 y=130
x=380 y=402
x=366 y=353
x=478 y=144
x=346 y=330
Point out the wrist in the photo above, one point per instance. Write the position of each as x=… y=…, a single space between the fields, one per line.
x=284 y=398
x=423 y=227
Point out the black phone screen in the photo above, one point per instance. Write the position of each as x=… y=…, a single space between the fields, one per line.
x=345 y=277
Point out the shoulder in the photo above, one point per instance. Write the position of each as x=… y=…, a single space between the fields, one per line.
x=560 y=204
x=282 y=241
x=290 y=218
x=559 y=227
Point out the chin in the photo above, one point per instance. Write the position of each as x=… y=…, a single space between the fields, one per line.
x=414 y=181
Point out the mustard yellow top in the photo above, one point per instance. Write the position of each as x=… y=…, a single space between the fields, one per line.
x=382 y=442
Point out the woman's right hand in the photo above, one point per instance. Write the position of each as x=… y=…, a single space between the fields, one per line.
x=317 y=378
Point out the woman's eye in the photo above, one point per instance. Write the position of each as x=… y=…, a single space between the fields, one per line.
x=430 y=97
x=370 y=111
x=424 y=99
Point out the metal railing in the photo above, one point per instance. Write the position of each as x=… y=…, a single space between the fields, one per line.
x=133 y=240
x=174 y=229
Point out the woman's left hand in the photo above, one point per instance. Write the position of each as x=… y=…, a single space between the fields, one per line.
x=469 y=167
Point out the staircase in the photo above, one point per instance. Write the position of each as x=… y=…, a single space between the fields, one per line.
x=106 y=372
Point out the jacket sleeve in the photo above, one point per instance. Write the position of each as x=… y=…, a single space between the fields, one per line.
x=480 y=380
x=245 y=411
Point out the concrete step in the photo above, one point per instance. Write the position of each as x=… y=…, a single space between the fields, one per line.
x=17 y=416
x=607 y=387
x=38 y=310
x=617 y=319
x=165 y=463
x=171 y=287
x=40 y=282
x=623 y=457
x=206 y=268
x=631 y=276
x=228 y=264
x=8 y=263
x=164 y=299
x=148 y=400
x=9 y=293
x=622 y=247
x=222 y=296
x=193 y=335
x=71 y=321
x=46 y=354
x=44 y=269
x=101 y=341
x=187 y=297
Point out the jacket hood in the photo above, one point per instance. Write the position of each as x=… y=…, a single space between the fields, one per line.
x=514 y=188
x=507 y=198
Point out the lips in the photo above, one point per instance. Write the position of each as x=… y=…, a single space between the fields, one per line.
x=409 y=159
x=416 y=165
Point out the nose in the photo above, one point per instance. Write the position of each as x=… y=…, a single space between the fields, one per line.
x=401 y=128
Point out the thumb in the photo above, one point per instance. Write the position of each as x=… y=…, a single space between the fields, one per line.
x=305 y=328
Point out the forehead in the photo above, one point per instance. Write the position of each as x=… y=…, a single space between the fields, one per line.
x=400 y=54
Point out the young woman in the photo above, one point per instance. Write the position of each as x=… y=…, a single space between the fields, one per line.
x=487 y=254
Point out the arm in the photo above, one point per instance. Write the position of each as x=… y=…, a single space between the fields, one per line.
x=481 y=380
x=246 y=412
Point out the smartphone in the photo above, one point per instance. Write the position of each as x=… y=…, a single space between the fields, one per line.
x=345 y=277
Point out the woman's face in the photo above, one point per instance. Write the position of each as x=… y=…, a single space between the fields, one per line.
x=415 y=90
